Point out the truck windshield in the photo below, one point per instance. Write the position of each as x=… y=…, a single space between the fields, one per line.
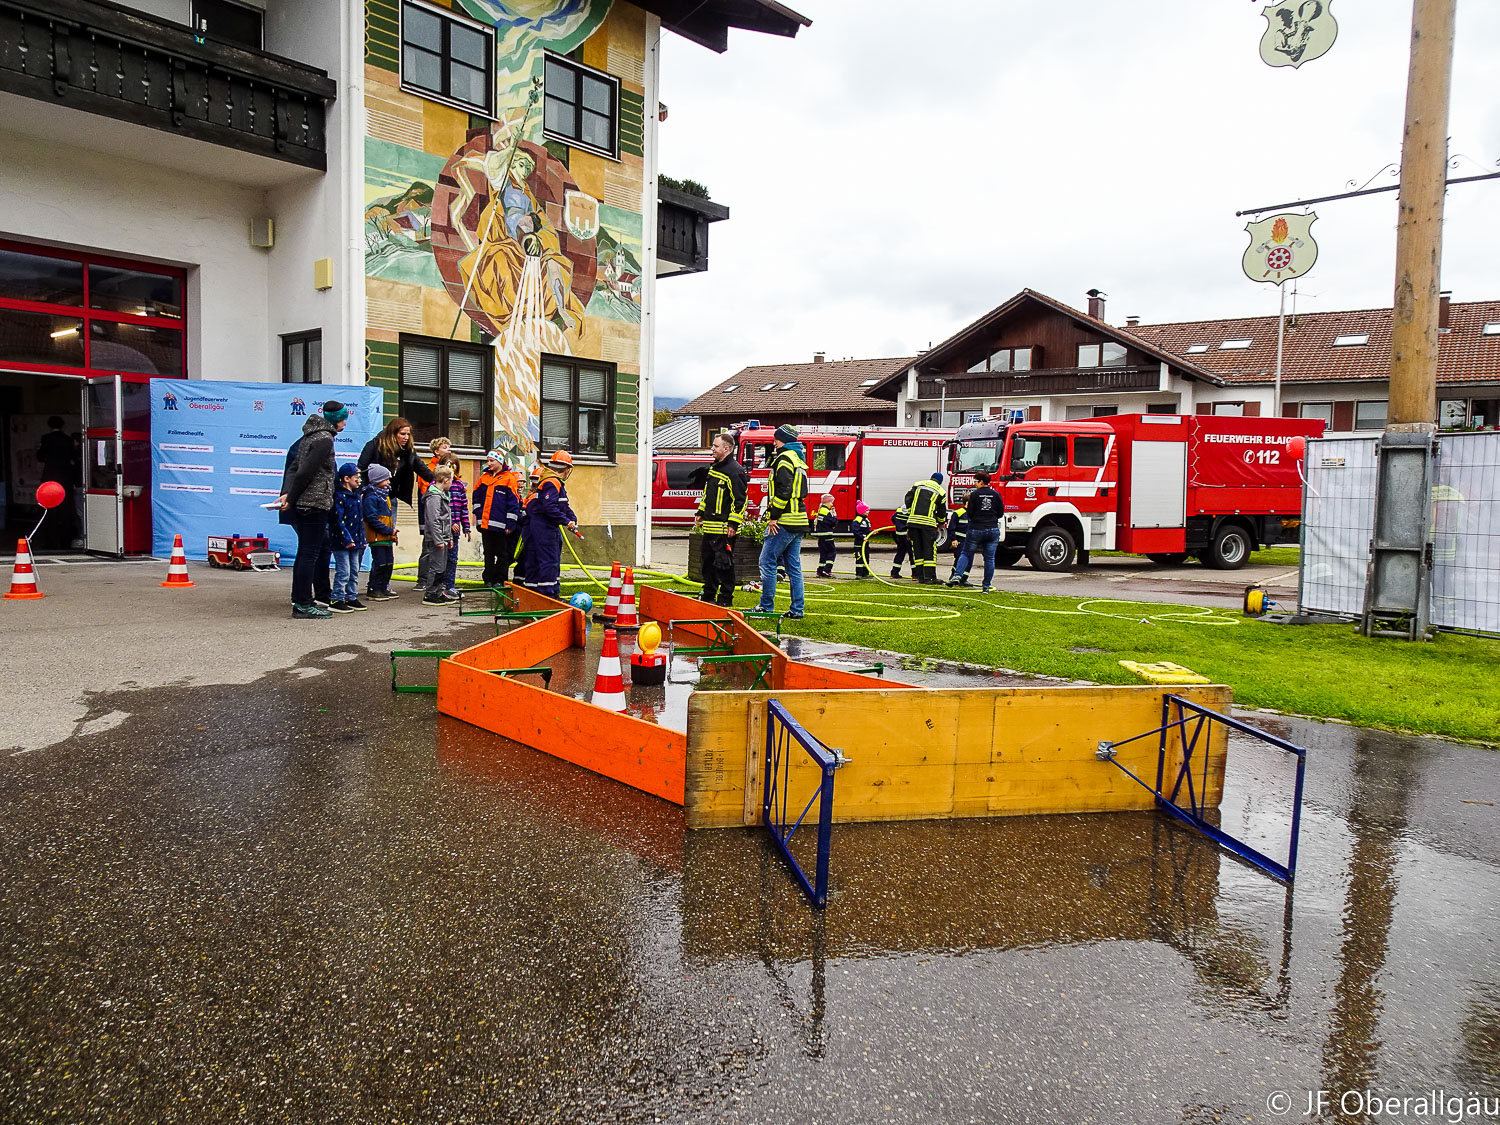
x=974 y=456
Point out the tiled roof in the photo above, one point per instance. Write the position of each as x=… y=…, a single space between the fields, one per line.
x=1465 y=355
x=829 y=387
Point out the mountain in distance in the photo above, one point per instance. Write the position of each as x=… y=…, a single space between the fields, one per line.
x=668 y=402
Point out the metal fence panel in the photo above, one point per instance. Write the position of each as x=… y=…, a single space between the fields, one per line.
x=1466 y=533
x=1338 y=521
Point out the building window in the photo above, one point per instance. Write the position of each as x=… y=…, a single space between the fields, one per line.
x=1083 y=413
x=788 y=386
x=1229 y=409
x=1006 y=359
x=578 y=406
x=1318 y=411
x=447 y=58
x=949 y=420
x=228 y=22
x=868 y=382
x=731 y=388
x=1238 y=344
x=302 y=357
x=1161 y=408
x=1351 y=340
x=445 y=392
x=582 y=105
x=769 y=386
x=1101 y=355
x=1491 y=329
x=81 y=315
x=1369 y=415
x=1197 y=349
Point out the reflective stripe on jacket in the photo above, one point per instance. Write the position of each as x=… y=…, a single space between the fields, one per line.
x=786 y=502
x=925 y=503
x=722 y=508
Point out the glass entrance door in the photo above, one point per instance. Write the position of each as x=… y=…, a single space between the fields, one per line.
x=103 y=475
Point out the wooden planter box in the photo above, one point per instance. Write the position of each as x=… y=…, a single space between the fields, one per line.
x=746 y=560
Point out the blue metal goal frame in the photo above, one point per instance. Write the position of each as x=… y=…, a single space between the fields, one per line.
x=1201 y=719
x=782 y=733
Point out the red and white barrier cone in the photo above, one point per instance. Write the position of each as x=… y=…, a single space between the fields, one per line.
x=609 y=683
x=23 y=577
x=177 y=574
x=612 y=602
x=627 y=622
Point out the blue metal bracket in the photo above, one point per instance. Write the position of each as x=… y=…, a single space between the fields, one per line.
x=782 y=733
x=1178 y=714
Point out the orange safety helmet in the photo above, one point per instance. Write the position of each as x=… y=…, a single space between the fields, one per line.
x=561 y=457
x=536 y=471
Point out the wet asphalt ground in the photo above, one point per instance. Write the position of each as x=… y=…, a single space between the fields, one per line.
x=301 y=898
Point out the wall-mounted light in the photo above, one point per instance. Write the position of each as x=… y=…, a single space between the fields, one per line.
x=64 y=333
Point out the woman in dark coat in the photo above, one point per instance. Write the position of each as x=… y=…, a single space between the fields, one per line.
x=394 y=449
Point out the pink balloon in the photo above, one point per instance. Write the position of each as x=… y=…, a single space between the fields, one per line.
x=49 y=494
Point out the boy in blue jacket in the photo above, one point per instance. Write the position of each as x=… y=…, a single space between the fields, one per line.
x=346 y=533
x=380 y=531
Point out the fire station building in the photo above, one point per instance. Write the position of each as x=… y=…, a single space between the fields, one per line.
x=436 y=197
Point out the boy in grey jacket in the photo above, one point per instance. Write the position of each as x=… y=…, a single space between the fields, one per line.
x=438 y=531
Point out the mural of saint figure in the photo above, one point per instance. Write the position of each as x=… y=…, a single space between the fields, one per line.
x=515 y=265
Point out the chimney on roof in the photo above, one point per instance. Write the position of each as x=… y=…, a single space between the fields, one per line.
x=1096 y=304
x=818 y=357
x=1132 y=321
x=1445 y=309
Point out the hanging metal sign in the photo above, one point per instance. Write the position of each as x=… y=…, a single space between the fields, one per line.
x=1280 y=249
x=1297 y=31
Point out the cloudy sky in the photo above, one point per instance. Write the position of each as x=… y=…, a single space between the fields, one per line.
x=892 y=176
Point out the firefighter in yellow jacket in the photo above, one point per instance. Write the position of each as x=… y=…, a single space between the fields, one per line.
x=927 y=513
x=786 y=512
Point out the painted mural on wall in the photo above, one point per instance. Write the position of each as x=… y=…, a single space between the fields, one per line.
x=533 y=251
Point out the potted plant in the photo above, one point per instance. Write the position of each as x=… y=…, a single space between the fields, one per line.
x=746 y=553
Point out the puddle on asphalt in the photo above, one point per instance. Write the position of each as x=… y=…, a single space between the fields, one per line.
x=316 y=900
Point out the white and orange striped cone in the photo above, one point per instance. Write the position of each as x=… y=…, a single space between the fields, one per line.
x=612 y=602
x=23 y=578
x=177 y=574
x=609 y=683
x=627 y=622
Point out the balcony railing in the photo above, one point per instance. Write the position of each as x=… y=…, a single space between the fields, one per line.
x=682 y=231
x=1050 y=381
x=104 y=59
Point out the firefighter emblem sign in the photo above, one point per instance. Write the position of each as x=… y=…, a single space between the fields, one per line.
x=1297 y=31
x=1280 y=249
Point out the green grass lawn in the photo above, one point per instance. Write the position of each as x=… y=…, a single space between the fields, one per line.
x=1450 y=686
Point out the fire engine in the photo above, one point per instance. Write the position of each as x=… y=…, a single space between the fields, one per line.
x=1161 y=485
x=242 y=552
x=876 y=464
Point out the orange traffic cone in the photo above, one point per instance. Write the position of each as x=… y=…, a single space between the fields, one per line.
x=611 y=603
x=177 y=574
x=627 y=621
x=23 y=578
x=609 y=684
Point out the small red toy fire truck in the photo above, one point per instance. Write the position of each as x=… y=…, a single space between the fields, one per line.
x=242 y=552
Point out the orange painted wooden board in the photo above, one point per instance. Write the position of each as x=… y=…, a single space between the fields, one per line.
x=921 y=753
x=533 y=643
x=640 y=754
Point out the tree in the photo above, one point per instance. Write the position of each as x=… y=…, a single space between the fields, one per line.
x=660 y=416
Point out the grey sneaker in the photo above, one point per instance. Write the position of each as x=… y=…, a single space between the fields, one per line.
x=309 y=611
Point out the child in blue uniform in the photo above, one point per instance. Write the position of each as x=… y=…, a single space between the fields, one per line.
x=824 y=526
x=860 y=526
x=547 y=513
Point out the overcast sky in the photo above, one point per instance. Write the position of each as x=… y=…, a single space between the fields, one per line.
x=892 y=176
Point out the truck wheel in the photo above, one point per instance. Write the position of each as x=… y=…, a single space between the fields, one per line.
x=1052 y=548
x=1171 y=558
x=237 y=563
x=1008 y=558
x=1231 y=548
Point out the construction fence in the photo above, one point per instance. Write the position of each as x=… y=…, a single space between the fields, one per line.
x=1464 y=529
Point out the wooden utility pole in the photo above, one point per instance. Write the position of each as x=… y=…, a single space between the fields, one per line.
x=1419 y=233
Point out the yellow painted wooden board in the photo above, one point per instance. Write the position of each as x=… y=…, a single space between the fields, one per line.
x=925 y=753
x=1163 y=672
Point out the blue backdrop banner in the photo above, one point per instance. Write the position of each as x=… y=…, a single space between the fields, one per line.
x=218 y=451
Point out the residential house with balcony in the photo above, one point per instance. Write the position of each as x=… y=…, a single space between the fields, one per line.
x=437 y=197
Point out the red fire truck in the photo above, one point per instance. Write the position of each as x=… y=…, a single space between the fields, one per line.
x=1162 y=485
x=876 y=464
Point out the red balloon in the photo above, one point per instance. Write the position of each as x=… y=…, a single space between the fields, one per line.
x=49 y=494
x=1296 y=446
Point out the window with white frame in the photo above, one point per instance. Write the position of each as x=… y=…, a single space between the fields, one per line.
x=582 y=105
x=1319 y=411
x=447 y=58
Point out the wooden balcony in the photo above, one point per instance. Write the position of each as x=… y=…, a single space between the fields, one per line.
x=104 y=59
x=1050 y=381
x=682 y=231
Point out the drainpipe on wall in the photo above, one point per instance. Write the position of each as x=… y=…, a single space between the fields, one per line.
x=351 y=109
x=645 y=392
